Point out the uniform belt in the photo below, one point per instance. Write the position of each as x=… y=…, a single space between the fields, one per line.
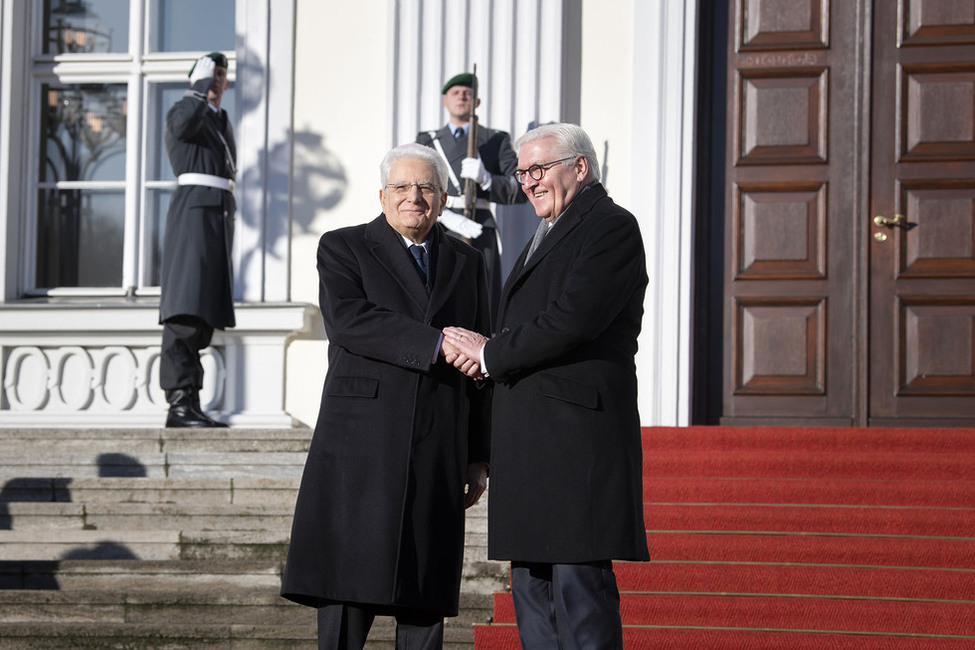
x=208 y=180
x=458 y=203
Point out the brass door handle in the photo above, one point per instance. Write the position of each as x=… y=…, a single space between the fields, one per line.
x=899 y=220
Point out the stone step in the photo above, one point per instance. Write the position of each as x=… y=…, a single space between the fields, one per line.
x=189 y=606
x=200 y=615
x=190 y=603
x=215 y=491
x=148 y=441
x=144 y=516
x=89 y=636
x=119 y=575
x=176 y=464
x=60 y=544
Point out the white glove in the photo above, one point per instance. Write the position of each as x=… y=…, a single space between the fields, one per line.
x=460 y=224
x=202 y=69
x=473 y=169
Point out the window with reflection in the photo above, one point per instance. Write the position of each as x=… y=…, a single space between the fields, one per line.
x=86 y=26
x=102 y=180
x=80 y=198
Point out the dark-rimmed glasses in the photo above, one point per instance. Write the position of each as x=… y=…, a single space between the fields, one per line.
x=537 y=172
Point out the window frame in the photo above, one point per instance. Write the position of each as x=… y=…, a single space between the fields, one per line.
x=138 y=70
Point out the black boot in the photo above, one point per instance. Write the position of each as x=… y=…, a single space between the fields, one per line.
x=185 y=411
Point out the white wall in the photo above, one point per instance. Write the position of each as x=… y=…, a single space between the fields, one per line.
x=342 y=98
x=634 y=76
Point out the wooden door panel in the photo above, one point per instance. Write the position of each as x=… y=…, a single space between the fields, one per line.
x=924 y=22
x=791 y=168
x=781 y=231
x=781 y=346
x=937 y=101
x=941 y=242
x=781 y=116
x=849 y=229
x=776 y=25
x=922 y=276
x=936 y=346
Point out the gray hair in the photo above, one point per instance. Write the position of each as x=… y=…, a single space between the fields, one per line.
x=570 y=140
x=413 y=150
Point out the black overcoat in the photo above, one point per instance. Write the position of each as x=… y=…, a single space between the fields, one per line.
x=566 y=456
x=197 y=263
x=380 y=513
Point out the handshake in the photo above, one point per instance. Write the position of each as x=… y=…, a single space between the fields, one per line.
x=462 y=349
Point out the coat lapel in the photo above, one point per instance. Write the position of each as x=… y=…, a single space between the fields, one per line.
x=387 y=246
x=449 y=267
x=565 y=224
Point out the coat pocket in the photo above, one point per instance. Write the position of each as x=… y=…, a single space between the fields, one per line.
x=353 y=387
x=569 y=390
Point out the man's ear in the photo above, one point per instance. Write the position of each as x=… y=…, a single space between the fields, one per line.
x=582 y=168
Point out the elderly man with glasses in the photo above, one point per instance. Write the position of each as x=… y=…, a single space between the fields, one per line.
x=401 y=447
x=566 y=455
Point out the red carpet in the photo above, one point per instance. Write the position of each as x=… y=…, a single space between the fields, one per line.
x=799 y=538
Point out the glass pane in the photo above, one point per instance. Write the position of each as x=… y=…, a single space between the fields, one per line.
x=192 y=25
x=83 y=132
x=86 y=26
x=161 y=98
x=157 y=204
x=79 y=238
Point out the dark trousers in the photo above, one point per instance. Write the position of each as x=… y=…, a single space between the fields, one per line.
x=567 y=606
x=342 y=626
x=179 y=359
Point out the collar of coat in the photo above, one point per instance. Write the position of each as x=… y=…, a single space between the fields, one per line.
x=448 y=257
x=570 y=218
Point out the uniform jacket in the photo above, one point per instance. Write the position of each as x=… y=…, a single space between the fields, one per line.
x=380 y=513
x=498 y=157
x=566 y=457
x=197 y=267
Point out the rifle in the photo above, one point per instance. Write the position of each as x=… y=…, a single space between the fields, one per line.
x=470 y=185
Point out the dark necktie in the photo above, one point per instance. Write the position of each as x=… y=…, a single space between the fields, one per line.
x=540 y=232
x=420 y=255
x=458 y=134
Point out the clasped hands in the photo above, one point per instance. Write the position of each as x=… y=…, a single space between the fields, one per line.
x=462 y=349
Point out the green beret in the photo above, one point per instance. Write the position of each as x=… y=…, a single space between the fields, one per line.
x=218 y=59
x=462 y=79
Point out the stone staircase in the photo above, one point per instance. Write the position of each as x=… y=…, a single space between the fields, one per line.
x=169 y=538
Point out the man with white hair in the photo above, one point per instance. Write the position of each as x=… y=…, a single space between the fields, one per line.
x=566 y=456
x=400 y=448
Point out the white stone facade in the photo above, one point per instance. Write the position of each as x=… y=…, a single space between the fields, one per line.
x=330 y=87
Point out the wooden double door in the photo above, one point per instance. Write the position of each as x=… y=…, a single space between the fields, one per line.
x=848 y=219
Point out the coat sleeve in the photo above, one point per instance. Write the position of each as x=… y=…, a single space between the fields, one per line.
x=609 y=255
x=479 y=392
x=358 y=321
x=185 y=118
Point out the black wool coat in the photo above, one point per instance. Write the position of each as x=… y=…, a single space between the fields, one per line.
x=197 y=263
x=380 y=513
x=566 y=455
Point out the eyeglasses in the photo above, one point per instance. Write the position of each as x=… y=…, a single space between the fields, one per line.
x=537 y=172
x=427 y=190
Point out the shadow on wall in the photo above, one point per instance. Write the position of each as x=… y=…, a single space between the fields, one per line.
x=42 y=573
x=315 y=181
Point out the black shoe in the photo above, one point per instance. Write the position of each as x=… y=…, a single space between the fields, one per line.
x=184 y=411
